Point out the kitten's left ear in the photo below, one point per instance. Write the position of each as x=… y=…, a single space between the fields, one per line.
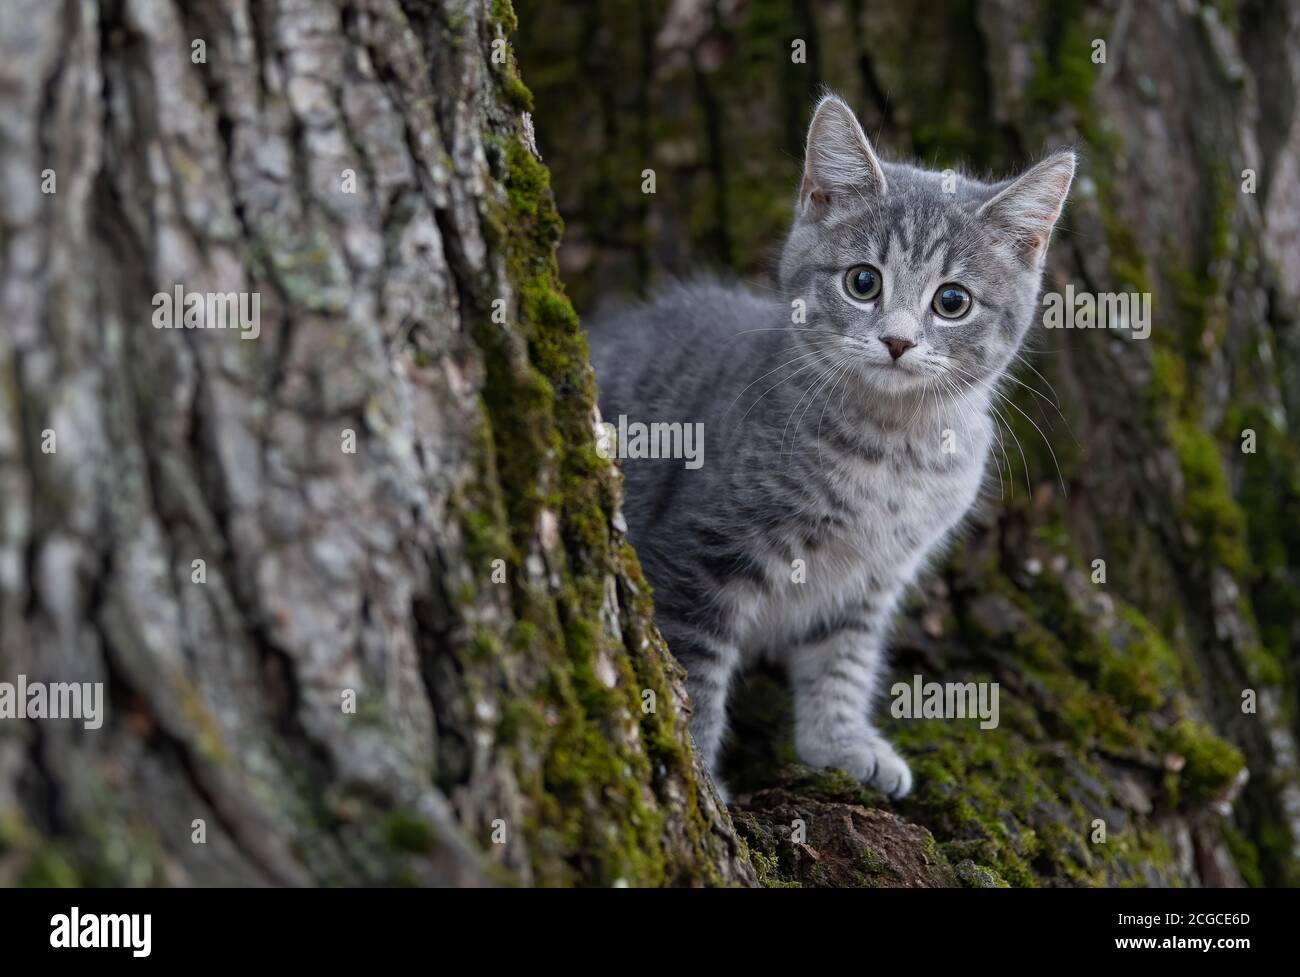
x=1026 y=211
x=839 y=163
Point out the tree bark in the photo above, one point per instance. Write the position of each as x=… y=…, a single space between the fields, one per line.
x=366 y=167
x=1137 y=691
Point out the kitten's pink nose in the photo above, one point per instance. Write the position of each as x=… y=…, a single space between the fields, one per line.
x=897 y=346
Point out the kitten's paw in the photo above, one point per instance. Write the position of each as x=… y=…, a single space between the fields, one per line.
x=871 y=760
x=892 y=774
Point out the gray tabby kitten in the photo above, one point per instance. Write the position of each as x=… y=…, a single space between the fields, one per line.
x=846 y=427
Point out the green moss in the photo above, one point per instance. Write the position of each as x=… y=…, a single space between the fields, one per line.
x=502 y=16
x=1017 y=799
x=1276 y=848
x=49 y=868
x=1210 y=764
x=1128 y=265
x=1085 y=685
x=966 y=781
x=1270 y=501
x=833 y=785
x=1136 y=667
x=408 y=832
x=40 y=863
x=1064 y=74
x=501 y=23
x=974 y=876
x=762 y=847
x=1130 y=663
x=1245 y=855
x=587 y=758
x=1207 y=507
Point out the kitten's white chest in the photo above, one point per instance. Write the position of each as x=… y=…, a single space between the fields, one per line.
x=899 y=515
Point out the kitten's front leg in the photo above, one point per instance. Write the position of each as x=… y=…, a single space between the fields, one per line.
x=834 y=679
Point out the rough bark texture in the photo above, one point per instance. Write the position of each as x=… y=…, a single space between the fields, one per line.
x=1123 y=700
x=503 y=730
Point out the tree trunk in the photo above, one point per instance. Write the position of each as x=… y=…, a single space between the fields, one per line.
x=358 y=587
x=1136 y=690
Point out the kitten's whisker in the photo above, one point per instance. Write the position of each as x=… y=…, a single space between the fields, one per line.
x=918 y=406
x=789 y=329
x=968 y=412
x=797 y=332
x=1037 y=393
x=961 y=380
x=1020 y=357
x=1006 y=425
x=806 y=366
x=812 y=352
x=1016 y=407
x=822 y=383
x=844 y=393
x=958 y=403
x=847 y=369
x=1060 y=476
x=926 y=391
x=1056 y=403
x=765 y=286
x=801 y=369
x=830 y=392
x=810 y=392
x=1029 y=485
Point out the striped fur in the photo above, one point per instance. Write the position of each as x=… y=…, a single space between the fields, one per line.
x=826 y=481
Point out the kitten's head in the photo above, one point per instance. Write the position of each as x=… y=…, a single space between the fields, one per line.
x=932 y=278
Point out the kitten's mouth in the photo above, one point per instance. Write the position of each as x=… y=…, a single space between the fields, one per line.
x=895 y=367
x=897 y=375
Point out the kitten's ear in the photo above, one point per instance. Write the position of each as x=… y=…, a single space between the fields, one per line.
x=839 y=160
x=1026 y=211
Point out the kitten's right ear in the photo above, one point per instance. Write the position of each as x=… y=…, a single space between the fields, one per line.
x=839 y=159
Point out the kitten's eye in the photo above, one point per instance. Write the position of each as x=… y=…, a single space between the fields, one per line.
x=951 y=301
x=863 y=282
